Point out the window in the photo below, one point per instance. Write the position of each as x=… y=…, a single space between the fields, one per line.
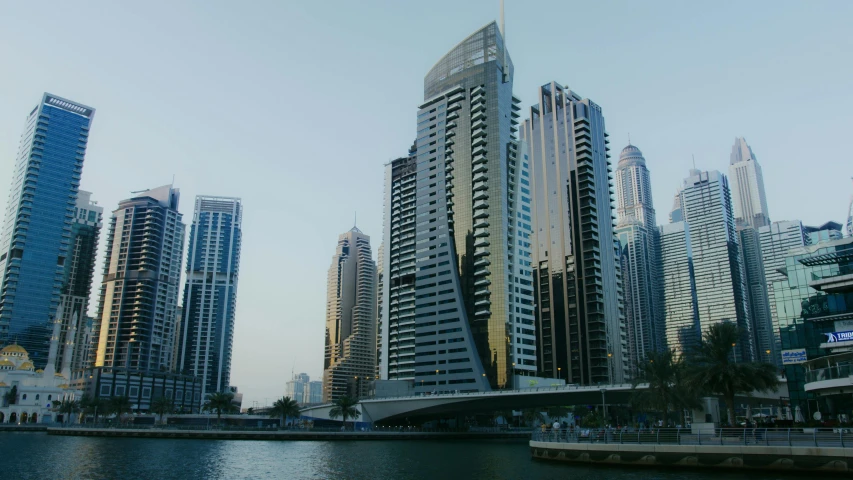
x=24 y=396
x=146 y=392
x=105 y=390
x=134 y=392
x=120 y=391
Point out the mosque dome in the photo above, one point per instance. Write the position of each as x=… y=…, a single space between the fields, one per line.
x=26 y=366
x=631 y=156
x=4 y=363
x=3 y=384
x=39 y=371
x=9 y=349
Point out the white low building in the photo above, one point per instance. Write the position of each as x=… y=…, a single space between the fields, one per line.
x=35 y=391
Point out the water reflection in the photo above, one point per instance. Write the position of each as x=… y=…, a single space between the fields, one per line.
x=39 y=456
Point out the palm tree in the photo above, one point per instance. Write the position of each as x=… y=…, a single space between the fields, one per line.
x=533 y=416
x=220 y=402
x=67 y=408
x=162 y=406
x=344 y=407
x=92 y=405
x=119 y=405
x=666 y=389
x=284 y=407
x=714 y=369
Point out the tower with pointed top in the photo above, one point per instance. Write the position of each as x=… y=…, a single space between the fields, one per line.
x=350 y=343
x=637 y=232
x=747 y=185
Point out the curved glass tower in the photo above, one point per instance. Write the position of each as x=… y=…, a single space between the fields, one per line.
x=472 y=311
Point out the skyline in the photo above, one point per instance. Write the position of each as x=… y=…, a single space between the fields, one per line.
x=181 y=135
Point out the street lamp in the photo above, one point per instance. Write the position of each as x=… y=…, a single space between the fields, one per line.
x=610 y=367
x=559 y=373
x=603 y=405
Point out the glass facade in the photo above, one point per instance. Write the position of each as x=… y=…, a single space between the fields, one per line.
x=810 y=304
x=677 y=277
x=705 y=204
x=210 y=293
x=37 y=229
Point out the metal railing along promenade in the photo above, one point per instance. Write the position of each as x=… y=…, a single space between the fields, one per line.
x=779 y=437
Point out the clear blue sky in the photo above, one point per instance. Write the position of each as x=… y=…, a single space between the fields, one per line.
x=296 y=106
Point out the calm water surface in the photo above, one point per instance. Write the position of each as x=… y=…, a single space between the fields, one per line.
x=39 y=456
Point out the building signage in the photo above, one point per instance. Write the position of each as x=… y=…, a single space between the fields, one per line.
x=843 y=325
x=839 y=337
x=794 y=356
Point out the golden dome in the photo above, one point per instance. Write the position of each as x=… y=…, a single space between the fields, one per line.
x=3 y=384
x=6 y=363
x=26 y=366
x=13 y=349
x=64 y=386
x=58 y=375
x=39 y=371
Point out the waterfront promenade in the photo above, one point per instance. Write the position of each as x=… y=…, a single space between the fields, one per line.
x=751 y=448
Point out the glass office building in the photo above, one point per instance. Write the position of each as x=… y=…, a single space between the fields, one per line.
x=210 y=293
x=678 y=281
x=813 y=301
x=705 y=204
x=39 y=216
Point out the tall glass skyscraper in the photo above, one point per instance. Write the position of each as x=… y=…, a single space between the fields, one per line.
x=582 y=332
x=136 y=322
x=637 y=232
x=77 y=285
x=466 y=206
x=678 y=280
x=705 y=204
x=747 y=184
x=210 y=293
x=39 y=216
x=350 y=353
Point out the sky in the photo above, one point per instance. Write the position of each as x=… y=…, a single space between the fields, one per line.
x=296 y=106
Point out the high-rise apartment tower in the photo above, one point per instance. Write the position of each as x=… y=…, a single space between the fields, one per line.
x=747 y=186
x=136 y=319
x=350 y=353
x=210 y=292
x=576 y=272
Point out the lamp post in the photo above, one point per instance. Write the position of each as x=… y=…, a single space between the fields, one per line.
x=603 y=406
x=734 y=353
x=559 y=373
x=610 y=367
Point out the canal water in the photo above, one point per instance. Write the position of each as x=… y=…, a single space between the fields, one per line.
x=40 y=456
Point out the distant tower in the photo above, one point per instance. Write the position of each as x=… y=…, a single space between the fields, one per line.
x=35 y=238
x=747 y=184
x=136 y=322
x=350 y=353
x=77 y=284
x=210 y=292
x=637 y=233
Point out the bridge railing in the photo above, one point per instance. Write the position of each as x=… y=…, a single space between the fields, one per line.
x=790 y=437
x=554 y=388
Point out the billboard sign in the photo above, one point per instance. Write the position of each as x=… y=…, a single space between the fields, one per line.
x=794 y=356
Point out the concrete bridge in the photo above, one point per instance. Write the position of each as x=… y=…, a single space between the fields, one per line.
x=394 y=408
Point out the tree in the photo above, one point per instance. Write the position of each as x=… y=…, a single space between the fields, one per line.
x=667 y=389
x=555 y=413
x=344 y=407
x=11 y=397
x=533 y=416
x=67 y=408
x=284 y=407
x=162 y=406
x=119 y=405
x=219 y=402
x=93 y=405
x=714 y=369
